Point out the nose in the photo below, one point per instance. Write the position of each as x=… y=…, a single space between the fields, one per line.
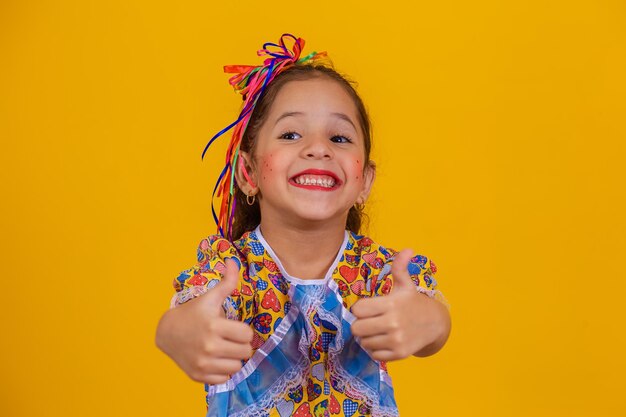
x=318 y=147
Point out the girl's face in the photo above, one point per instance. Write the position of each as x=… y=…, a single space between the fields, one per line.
x=309 y=158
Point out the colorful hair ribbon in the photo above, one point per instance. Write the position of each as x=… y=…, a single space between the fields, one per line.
x=251 y=82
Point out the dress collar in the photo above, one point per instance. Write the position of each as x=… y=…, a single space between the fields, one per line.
x=300 y=281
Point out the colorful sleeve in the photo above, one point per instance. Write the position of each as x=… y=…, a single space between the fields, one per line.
x=206 y=273
x=422 y=271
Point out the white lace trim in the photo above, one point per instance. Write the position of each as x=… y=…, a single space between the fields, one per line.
x=189 y=293
x=292 y=378
x=436 y=294
x=349 y=384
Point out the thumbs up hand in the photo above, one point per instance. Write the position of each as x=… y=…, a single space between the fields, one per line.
x=402 y=323
x=199 y=338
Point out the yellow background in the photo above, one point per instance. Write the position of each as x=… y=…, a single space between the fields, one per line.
x=499 y=137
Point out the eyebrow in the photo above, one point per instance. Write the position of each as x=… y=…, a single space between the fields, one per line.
x=346 y=118
x=341 y=116
x=288 y=114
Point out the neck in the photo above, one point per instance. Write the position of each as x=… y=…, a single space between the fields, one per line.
x=306 y=250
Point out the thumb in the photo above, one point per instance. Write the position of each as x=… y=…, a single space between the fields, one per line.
x=400 y=271
x=227 y=285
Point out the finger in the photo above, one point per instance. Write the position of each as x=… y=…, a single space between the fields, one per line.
x=211 y=379
x=374 y=326
x=400 y=271
x=235 y=331
x=370 y=307
x=228 y=284
x=232 y=350
x=225 y=366
x=377 y=342
x=386 y=355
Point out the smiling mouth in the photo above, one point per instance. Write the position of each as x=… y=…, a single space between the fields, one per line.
x=317 y=180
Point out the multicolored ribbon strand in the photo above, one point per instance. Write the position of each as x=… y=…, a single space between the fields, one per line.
x=250 y=81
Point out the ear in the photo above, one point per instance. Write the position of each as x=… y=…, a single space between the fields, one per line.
x=245 y=174
x=369 y=175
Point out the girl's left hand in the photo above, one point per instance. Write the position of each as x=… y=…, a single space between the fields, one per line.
x=403 y=323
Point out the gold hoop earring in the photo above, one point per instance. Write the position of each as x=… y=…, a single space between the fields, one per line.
x=250 y=203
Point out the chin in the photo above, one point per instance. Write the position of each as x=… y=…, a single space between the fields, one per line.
x=322 y=216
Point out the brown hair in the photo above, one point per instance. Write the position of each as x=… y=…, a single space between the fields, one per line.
x=248 y=217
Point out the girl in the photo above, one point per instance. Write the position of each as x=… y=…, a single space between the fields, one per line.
x=289 y=311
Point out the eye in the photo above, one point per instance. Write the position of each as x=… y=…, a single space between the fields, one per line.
x=340 y=139
x=290 y=136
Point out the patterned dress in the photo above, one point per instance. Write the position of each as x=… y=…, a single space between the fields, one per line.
x=305 y=361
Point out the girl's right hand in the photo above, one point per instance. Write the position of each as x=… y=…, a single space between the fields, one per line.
x=199 y=338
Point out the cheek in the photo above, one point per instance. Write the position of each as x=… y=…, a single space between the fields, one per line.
x=268 y=167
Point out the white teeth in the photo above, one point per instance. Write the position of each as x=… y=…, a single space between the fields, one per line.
x=324 y=181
